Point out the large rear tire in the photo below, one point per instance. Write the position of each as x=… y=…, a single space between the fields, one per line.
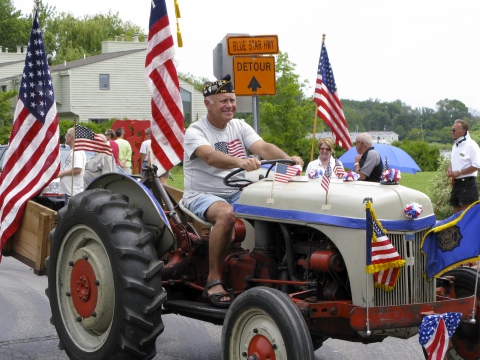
x=104 y=281
x=264 y=323
x=465 y=342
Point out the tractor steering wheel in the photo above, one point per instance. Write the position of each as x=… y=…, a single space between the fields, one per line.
x=241 y=183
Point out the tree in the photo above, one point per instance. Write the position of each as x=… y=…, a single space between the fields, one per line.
x=68 y=38
x=287 y=118
x=14 y=28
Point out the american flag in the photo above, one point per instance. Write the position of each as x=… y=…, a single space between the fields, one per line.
x=383 y=259
x=32 y=160
x=283 y=172
x=328 y=101
x=338 y=169
x=326 y=177
x=435 y=332
x=86 y=139
x=232 y=148
x=162 y=80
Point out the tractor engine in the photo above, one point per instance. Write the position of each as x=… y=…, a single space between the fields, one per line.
x=290 y=258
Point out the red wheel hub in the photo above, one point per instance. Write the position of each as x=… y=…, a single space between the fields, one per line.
x=261 y=348
x=83 y=289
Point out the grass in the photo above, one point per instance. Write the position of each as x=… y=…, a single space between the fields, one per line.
x=418 y=181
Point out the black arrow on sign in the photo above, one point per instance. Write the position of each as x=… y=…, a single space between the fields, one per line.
x=254 y=85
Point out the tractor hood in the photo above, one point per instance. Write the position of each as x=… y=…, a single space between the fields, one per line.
x=305 y=201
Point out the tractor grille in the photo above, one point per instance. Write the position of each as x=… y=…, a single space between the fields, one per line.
x=411 y=287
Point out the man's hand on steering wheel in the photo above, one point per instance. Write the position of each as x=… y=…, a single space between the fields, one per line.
x=250 y=164
x=298 y=160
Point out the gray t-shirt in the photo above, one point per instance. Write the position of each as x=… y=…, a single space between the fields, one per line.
x=201 y=178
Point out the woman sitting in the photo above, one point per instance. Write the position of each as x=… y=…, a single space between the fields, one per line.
x=325 y=163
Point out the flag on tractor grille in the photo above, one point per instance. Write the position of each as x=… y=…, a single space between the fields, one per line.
x=329 y=105
x=435 y=332
x=32 y=160
x=283 y=172
x=161 y=77
x=383 y=259
x=452 y=241
x=86 y=139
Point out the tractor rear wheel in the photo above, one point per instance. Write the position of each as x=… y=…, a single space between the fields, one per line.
x=264 y=323
x=104 y=281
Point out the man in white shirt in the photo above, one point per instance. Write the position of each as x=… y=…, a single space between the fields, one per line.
x=74 y=166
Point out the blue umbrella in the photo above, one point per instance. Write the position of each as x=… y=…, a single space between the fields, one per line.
x=392 y=155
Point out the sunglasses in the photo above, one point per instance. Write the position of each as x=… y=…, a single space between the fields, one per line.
x=325 y=149
x=453 y=130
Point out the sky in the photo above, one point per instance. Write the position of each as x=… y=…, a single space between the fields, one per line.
x=416 y=51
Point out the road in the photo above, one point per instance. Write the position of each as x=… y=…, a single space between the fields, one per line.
x=26 y=333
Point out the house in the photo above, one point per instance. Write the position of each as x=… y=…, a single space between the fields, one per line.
x=102 y=87
x=379 y=137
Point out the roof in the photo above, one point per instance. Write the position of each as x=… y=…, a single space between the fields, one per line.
x=11 y=63
x=92 y=60
x=79 y=63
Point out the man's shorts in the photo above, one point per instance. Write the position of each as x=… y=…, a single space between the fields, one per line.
x=464 y=191
x=201 y=204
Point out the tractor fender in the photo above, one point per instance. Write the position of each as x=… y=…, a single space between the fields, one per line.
x=140 y=197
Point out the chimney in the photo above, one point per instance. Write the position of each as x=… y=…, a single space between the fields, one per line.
x=0 y=49
x=116 y=37
x=19 y=49
x=135 y=37
x=123 y=37
x=25 y=47
x=6 y=50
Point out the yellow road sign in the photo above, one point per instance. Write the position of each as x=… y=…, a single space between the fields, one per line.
x=254 y=75
x=251 y=45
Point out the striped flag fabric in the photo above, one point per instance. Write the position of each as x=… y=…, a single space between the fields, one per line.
x=232 y=148
x=383 y=259
x=338 y=169
x=283 y=172
x=86 y=139
x=167 y=127
x=32 y=160
x=435 y=332
x=327 y=175
x=329 y=105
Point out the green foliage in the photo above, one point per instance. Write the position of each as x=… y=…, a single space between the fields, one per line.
x=197 y=82
x=287 y=118
x=14 y=29
x=439 y=189
x=425 y=156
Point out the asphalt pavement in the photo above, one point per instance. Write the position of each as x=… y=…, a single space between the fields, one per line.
x=26 y=332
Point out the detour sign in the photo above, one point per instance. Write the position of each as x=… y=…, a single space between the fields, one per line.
x=254 y=75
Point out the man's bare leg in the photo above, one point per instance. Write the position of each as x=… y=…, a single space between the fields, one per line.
x=222 y=216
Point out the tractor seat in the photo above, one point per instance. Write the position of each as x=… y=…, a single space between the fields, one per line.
x=192 y=215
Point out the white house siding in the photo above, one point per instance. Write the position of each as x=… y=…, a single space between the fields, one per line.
x=127 y=97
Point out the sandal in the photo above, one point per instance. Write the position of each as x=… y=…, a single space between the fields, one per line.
x=215 y=298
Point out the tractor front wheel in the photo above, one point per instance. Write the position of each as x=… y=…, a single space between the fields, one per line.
x=264 y=323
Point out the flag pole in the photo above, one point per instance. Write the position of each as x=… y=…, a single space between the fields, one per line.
x=314 y=132
x=73 y=150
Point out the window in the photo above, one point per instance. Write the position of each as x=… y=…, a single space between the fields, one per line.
x=4 y=88
x=104 y=82
x=98 y=121
x=187 y=106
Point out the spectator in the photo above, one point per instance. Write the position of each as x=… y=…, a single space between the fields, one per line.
x=75 y=160
x=98 y=165
x=124 y=151
x=368 y=163
x=214 y=145
x=144 y=151
x=316 y=168
x=463 y=169
x=110 y=134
